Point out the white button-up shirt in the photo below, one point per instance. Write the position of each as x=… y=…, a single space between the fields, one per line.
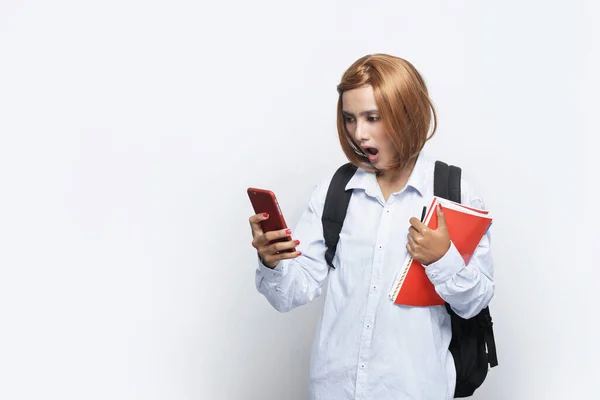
x=367 y=347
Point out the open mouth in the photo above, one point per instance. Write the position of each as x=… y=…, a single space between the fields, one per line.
x=371 y=153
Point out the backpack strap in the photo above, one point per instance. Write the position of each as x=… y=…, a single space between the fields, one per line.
x=485 y=321
x=334 y=211
x=454 y=177
x=452 y=190
x=465 y=344
x=440 y=179
x=446 y=181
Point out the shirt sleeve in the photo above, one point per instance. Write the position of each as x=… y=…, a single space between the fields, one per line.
x=298 y=281
x=467 y=288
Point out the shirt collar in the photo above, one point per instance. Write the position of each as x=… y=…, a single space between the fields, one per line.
x=368 y=182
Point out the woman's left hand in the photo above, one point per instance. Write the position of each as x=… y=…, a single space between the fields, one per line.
x=425 y=244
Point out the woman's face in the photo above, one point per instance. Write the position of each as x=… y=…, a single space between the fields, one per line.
x=364 y=125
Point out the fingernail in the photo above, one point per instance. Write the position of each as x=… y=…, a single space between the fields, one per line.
x=297 y=242
x=299 y=253
x=288 y=231
x=440 y=205
x=266 y=215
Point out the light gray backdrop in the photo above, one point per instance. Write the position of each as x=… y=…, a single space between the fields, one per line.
x=130 y=131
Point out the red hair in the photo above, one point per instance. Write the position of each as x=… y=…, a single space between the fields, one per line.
x=403 y=102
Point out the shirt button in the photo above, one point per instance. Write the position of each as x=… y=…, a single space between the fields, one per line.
x=368 y=326
x=375 y=287
x=362 y=366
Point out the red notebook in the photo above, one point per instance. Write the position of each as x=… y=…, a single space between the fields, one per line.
x=466 y=227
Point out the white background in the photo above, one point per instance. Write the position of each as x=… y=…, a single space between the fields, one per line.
x=130 y=131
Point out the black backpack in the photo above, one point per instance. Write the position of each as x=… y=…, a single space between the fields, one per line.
x=472 y=344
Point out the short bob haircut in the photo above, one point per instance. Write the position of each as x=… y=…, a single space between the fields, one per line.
x=403 y=102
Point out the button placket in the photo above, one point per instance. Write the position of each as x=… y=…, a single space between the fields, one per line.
x=373 y=298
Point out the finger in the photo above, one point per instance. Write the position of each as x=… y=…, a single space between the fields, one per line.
x=268 y=238
x=441 y=218
x=418 y=225
x=255 y=223
x=274 y=235
x=279 y=248
x=410 y=250
x=412 y=231
x=274 y=258
x=412 y=241
x=417 y=237
x=283 y=246
x=259 y=243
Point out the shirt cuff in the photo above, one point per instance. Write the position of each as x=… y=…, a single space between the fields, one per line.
x=446 y=267
x=272 y=274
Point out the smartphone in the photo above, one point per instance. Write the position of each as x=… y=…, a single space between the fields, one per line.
x=264 y=201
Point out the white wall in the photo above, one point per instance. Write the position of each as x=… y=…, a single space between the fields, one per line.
x=131 y=129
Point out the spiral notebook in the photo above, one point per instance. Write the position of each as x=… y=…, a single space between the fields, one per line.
x=466 y=227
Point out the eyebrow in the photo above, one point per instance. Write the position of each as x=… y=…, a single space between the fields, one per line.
x=368 y=112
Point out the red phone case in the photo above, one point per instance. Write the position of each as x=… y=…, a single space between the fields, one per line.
x=264 y=201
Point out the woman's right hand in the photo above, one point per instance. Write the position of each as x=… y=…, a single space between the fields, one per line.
x=270 y=254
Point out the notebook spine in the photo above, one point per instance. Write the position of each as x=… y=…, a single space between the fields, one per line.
x=400 y=280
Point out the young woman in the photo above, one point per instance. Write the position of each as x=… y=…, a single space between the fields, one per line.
x=366 y=347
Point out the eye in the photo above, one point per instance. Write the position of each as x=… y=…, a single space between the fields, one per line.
x=348 y=119
x=373 y=118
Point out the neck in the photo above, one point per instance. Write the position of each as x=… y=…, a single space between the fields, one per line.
x=396 y=177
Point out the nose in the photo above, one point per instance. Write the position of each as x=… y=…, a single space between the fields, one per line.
x=361 y=134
